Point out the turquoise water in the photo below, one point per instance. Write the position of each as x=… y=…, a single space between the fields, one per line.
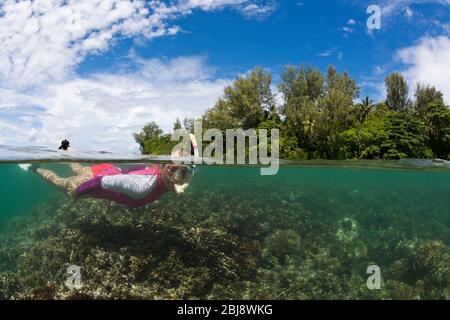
x=21 y=191
x=309 y=232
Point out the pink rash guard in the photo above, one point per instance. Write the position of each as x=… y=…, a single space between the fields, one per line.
x=133 y=187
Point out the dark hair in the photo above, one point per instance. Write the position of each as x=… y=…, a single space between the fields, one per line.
x=65 y=144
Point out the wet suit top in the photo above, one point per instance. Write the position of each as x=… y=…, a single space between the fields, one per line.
x=133 y=187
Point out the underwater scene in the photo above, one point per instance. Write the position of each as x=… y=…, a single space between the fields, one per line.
x=309 y=232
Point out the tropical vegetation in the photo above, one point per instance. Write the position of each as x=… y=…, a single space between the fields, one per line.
x=322 y=116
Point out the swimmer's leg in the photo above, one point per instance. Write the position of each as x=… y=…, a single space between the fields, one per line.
x=77 y=168
x=53 y=178
x=75 y=182
x=69 y=184
x=81 y=170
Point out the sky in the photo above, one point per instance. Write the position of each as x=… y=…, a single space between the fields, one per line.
x=95 y=71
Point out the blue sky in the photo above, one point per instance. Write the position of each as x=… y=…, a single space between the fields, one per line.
x=297 y=32
x=96 y=71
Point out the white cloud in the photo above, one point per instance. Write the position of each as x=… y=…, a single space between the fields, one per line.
x=428 y=62
x=258 y=11
x=325 y=53
x=409 y=13
x=331 y=52
x=43 y=40
x=347 y=29
x=102 y=111
x=211 y=4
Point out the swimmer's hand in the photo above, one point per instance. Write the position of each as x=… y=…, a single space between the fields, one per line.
x=180 y=188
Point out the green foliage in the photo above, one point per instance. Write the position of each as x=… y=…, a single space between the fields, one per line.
x=438 y=129
x=362 y=110
x=397 y=92
x=160 y=146
x=245 y=103
x=177 y=124
x=149 y=132
x=426 y=95
x=152 y=139
x=390 y=135
x=319 y=117
x=350 y=140
x=269 y=125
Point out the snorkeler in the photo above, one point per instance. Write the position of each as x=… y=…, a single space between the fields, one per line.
x=133 y=187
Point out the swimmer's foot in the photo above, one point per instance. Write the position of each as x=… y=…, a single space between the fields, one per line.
x=29 y=166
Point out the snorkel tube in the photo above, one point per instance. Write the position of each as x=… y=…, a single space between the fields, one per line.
x=194 y=145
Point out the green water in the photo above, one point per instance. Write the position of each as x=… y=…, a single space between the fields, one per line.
x=309 y=232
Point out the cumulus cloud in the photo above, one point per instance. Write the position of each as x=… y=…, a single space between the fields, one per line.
x=428 y=62
x=103 y=110
x=43 y=40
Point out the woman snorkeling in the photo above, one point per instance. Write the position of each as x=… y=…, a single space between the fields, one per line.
x=134 y=187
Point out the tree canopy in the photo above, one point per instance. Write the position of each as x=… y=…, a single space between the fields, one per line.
x=321 y=116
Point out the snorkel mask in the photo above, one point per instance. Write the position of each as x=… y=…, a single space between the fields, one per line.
x=182 y=173
x=185 y=172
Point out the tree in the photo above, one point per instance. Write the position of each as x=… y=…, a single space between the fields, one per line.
x=220 y=117
x=393 y=135
x=426 y=95
x=300 y=85
x=302 y=88
x=162 y=145
x=397 y=92
x=364 y=109
x=336 y=115
x=244 y=104
x=438 y=128
x=317 y=108
x=320 y=119
x=177 y=124
x=149 y=132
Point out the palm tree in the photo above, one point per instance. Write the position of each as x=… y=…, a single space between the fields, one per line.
x=366 y=106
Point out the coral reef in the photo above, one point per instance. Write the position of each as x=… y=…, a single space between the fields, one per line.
x=282 y=244
x=252 y=243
